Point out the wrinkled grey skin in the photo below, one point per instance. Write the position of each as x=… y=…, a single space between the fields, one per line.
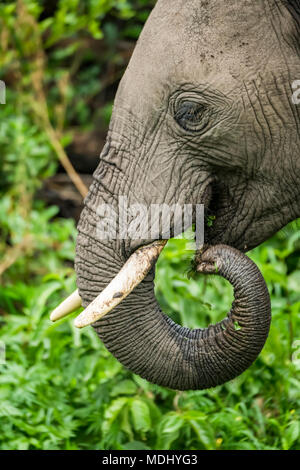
x=239 y=155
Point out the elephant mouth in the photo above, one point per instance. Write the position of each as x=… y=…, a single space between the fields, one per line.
x=138 y=263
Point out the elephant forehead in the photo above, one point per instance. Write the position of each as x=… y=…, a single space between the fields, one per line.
x=222 y=44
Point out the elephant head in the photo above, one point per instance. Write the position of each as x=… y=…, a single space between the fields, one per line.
x=203 y=115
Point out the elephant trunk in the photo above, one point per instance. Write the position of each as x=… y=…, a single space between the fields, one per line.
x=150 y=344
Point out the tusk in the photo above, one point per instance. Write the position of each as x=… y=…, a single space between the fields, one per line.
x=133 y=272
x=72 y=303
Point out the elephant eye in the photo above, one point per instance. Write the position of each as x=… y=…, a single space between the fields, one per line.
x=190 y=115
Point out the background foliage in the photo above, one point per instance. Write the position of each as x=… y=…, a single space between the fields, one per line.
x=59 y=387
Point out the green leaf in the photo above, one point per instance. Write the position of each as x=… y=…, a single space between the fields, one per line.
x=112 y=413
x=204 y=433
x=7 y=409
x=168 y=431
x=140 y=415
x=291 y=434
x=126 y=387
x=136 y=445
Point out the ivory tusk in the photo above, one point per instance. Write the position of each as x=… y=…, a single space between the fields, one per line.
x=69 y=305
x=133 y=272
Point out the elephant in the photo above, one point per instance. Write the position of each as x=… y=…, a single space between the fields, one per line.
x=203 y=115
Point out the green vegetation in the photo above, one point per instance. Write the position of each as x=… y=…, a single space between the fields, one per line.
x=59 y=387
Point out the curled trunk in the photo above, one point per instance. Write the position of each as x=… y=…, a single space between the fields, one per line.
x=150 y=344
